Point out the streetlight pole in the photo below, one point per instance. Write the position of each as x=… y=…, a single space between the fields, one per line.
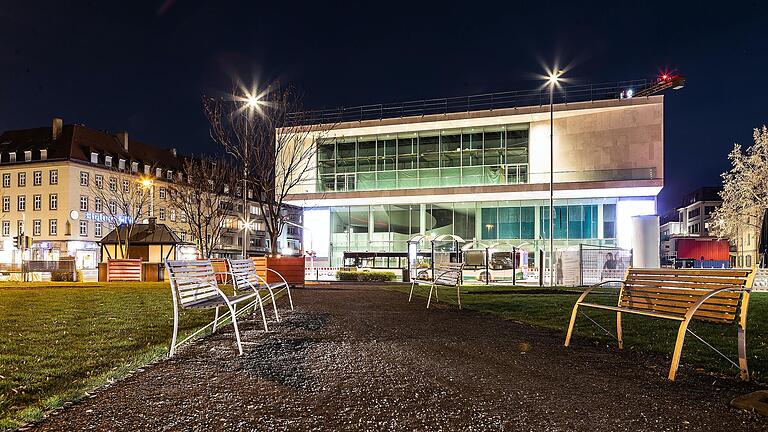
x=251 y=101
x=553 y=79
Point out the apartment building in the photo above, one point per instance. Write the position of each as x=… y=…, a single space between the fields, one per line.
x=48 y=179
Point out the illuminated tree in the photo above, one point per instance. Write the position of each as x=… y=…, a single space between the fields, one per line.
x=745 y=189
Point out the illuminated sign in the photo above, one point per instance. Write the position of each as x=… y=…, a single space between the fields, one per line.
x=101 y=217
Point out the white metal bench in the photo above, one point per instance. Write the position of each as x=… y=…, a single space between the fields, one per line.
x=718 y=296
x=246 y=278
x=446 y=274
x=193 y=286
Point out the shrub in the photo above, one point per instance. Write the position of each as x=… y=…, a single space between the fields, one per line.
x=364 y=276
x=61 y=277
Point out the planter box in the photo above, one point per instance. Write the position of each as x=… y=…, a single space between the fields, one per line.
x=128 y=270
x=292 y=269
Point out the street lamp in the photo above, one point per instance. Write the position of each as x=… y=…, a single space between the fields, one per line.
x=148 y=183
x=552 y=81
x=251 y=101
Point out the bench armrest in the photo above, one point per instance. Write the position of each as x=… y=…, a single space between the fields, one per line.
x=707 y=296
x=281 y=277
x=597 y=285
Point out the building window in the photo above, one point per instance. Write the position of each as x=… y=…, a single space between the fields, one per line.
x=83 y=228
x=6 y=203
x=162 y=193
x=695 y=212
x=6 y=180
x=22 y=179
x=83 y=178
x=134 y=167
x=97 y=204
x=748 y=261
x=53 y=202
x=37 y=202
x=162 y=214
x=97 y=229
x=6 y=228
x=20 y=227
x=113 y=208
x=173 y=215
x=53 y=177
x=126 y=186
x=12 y=157
x=43 y=154
x=52 y=227
x=121 y=164
x=99 y=180
x=83 y=203
x=94 y=157
x=37 y=178
x=169 y=174
x=112 y=184
x=108 y=161
x=22 y=202
x=37 y=226
x=27 y=155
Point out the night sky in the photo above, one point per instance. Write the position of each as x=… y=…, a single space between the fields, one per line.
x=143 y=66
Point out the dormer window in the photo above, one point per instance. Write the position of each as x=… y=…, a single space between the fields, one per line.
x=134 y=167
x=146 y=169
x=121 y=164
x=169 y=175
x=43 y=154
x=28 y=155
x=108 y=161
x=12 y=157
x=94 y=157
x=158 y=172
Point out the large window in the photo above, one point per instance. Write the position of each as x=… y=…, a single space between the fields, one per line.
x=570 y=222
x=441 y=158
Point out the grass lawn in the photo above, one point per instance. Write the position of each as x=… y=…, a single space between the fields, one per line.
x=59 y=340
x=552 y=309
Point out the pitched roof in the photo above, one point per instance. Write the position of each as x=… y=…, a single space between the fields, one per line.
x=76 y=142
x=145 y=234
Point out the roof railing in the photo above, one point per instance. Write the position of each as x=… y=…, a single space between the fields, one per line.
x=478 y=102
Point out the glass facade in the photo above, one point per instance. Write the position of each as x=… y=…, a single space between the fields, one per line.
x=387 y=227
x=457 y=157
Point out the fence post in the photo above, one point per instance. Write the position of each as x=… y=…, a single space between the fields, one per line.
x=541 y=267
x=581 y=265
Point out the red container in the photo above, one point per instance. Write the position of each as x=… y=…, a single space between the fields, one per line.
x=710 y=249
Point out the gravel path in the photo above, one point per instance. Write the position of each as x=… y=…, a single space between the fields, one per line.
x=366 y=359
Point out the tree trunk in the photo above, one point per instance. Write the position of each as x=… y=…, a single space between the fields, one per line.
x=273 y=243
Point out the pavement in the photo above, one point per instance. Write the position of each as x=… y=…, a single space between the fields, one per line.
x=363 y=358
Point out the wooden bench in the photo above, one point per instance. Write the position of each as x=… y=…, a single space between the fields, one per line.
x=719 y=296
x=446 y=274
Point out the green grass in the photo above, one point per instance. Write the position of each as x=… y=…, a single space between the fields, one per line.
x=553 y=311
x=60 y=340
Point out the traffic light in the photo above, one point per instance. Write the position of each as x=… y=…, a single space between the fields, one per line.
x=17 y=241
x=27 y=242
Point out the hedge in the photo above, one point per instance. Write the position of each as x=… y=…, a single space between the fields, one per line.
x=364 y=276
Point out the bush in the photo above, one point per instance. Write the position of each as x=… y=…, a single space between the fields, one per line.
x=364 y=276
x=61 y=277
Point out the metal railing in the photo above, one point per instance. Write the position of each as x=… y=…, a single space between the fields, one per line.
x=423 y=178
x=479 y=102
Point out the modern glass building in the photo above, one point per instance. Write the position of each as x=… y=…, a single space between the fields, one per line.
x=484 y=175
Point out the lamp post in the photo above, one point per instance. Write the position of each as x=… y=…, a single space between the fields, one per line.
x=554 y=77
x=251 y=102
x=148 y=183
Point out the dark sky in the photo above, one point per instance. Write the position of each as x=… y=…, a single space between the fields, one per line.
x=143 y=66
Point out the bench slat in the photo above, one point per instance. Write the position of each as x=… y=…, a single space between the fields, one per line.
x=636 y=312
x=674 y=284
x=679 y=304
x=691 y=272
x=716 y=299
x=682 y=291
x=702 y=280
x=709 y=315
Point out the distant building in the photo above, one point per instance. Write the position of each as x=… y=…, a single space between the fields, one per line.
x=48 y=180
x=685 y=232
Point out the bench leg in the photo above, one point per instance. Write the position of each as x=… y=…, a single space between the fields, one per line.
x=274 y=303
x=431 y=287
x=175 y=329
x=215 y=320
x=458 y=295
x=411 y=294
x=678 y=350
x=619 y=333
x=237 y=331
x=263 y=315
x=743 y=354
x=570 y=326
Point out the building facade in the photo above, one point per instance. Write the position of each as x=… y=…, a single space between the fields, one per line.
x=47 y=191
x=484 y=176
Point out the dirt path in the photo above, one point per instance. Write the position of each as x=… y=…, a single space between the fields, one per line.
x=365 y=359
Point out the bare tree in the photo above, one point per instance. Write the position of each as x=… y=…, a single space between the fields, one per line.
x=205 y=200
x=124 y=200
x=275 y=142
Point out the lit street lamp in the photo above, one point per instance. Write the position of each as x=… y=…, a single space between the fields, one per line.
x=252 y=102
x=554 y=78
x=148 y=183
